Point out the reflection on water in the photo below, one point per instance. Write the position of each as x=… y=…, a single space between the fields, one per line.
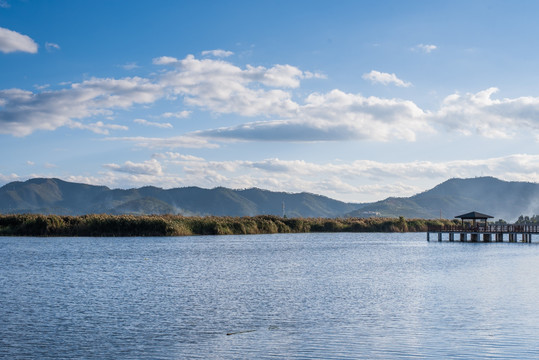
x=330 y=296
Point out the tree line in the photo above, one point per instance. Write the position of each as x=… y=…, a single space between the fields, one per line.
x=526 y=220
x=522 y=220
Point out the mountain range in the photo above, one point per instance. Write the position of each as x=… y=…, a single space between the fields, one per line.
x=498 y=198
x=54 y=196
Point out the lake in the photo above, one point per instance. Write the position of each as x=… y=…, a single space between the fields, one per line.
x=282 y=296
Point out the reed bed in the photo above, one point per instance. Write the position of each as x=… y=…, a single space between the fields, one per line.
x=175 y=225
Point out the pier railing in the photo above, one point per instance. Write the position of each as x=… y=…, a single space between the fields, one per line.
x=531 y=229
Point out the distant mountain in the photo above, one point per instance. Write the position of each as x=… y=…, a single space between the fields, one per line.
x=54 y=196
x=501 y=199
x=48 y=196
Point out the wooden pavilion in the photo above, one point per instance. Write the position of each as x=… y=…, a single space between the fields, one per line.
x=479 y=226
x=474 y=216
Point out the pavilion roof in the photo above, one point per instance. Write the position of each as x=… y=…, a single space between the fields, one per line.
x=473 y=215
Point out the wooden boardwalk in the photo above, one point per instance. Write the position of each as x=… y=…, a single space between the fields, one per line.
x=484 y=233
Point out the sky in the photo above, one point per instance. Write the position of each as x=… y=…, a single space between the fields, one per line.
x=354 y=100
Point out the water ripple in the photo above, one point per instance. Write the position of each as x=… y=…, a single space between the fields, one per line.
x=302 y=296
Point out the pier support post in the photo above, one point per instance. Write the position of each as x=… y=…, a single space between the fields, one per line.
x=488 y=234
x=428 y=236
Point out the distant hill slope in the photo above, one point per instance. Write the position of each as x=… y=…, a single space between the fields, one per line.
x=501 y=199
x=54 y=196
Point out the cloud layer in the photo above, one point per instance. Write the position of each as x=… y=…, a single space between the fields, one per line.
x=264 y=98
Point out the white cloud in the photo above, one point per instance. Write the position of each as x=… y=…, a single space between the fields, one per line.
x=99 y=127
x=179 y=115
x=130 y=66
x=23 y=112
x=426 y=48
x=11 y=41
x=222 y=87
x=491 y=118
x=377 y=77
x=210 y=84
x=174 y=142
x=165 y=60
x=315 y=75
x=154 y=124
x=30 y=163
x=278 y=76
x=176 y=156
x=340 y=116
x=217 y=53
x=4 y=4
x=42 y=87
x=51 y=46
x=150 y=167
x=9 y=178
x=336 y=116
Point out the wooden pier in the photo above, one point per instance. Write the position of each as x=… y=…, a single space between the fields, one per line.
x=488 y=233
x=474 y=232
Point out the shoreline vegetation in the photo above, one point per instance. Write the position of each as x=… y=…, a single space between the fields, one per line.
x=102 y=225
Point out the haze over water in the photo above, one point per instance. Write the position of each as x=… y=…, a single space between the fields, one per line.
x=277 y=296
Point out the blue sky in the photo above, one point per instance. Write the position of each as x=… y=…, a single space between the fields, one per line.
x=355 y=100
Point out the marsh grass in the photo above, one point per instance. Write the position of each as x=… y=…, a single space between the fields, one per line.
x=175 y=225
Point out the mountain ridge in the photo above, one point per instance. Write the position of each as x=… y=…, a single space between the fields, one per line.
x=501 y=199
x=56 y=196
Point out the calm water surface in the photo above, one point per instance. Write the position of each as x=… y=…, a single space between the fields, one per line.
x=302 y=296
